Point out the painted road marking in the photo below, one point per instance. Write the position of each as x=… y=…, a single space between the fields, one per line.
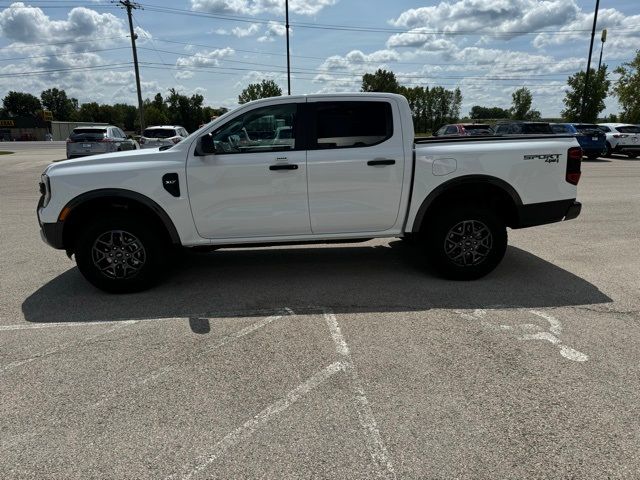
x=375 y=445
x=529 y=331
x=250 y=426
x=53 y=351
x=159 y=372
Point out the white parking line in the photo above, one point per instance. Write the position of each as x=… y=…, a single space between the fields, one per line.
x=38 y=326
x=53 y=351
x=159 y=372
x=250 y=426
x=375 y=445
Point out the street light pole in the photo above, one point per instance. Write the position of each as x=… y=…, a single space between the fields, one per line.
x=603 y=39
x=286 y=10
x=586 y=78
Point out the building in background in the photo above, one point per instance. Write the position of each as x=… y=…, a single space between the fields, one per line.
x=22 y=129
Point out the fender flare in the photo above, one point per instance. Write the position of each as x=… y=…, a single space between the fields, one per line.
x=462 y=180
x=128 y=195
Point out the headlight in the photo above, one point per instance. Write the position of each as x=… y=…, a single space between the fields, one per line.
x=45 y=189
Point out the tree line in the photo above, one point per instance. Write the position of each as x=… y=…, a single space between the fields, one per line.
x=174 y=109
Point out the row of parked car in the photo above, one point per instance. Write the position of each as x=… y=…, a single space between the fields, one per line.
x=602 y=139
x=93 y=140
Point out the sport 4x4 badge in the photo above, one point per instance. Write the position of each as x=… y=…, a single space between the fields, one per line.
x=548 y=157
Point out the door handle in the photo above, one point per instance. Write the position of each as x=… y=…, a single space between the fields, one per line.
x=381 y=161
x=284 y=166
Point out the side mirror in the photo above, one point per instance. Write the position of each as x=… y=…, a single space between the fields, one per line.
x=207 y=147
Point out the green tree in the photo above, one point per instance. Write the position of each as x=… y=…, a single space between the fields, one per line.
x=380 y=81
x=594 y=101
x=521 y=103
x=480 y=113
x=19 y=104
x=627 y=89
x=185 y=111
x=61 y=107
x=264 y=89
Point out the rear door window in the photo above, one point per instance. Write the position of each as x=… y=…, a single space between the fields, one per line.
x=351 y=124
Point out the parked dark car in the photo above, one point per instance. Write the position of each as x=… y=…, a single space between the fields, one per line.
x=463 y=129
x=515 y=127
x=592 y=140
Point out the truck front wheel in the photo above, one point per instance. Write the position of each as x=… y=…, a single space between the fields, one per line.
x=465 y=243
x=120 y=254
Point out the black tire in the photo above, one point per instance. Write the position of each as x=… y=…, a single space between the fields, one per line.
x=484 y=239
x=132 y=262
x=609 y=151
x=632 y=155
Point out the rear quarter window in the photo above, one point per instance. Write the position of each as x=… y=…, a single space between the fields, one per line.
x=629 y=129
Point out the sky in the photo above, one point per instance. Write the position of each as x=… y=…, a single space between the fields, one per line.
x=216 y=48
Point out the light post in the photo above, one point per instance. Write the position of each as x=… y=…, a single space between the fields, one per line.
x=603 y=39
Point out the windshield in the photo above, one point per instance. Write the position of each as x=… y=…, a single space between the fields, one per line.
x=159 y=133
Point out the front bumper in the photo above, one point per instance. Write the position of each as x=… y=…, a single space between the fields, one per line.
x=547 y=212
x=51 y=234
x=627 y=149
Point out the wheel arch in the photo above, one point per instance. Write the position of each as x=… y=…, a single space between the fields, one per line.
x=113 y=199
x=471 y=186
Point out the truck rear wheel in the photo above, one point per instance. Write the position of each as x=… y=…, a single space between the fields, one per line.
x=465 y=243
x=120 y=254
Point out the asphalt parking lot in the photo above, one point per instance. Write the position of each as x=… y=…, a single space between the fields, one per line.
x=327 y=361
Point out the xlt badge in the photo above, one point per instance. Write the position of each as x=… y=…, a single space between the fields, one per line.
x=547 y=157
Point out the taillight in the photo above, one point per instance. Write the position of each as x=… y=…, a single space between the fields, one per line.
x=176 y=140
x=574 y=160
x=143 y=140
x=107 y=140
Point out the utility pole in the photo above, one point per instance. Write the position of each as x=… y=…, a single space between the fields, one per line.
x=286 y=11
x=603 y=39
x=586 y=78
x=129 y=6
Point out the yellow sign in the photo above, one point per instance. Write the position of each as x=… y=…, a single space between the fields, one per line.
x=47 y=116
x=7 y=123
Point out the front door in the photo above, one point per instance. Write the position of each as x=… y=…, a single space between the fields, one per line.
x=255 y=185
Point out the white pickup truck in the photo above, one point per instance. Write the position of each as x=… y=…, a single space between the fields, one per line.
x=305 y=169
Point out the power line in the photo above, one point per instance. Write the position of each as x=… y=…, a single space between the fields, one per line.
x=61 y=54
x=61 y=70
x=30 y=45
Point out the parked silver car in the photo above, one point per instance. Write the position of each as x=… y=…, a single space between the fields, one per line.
x=93 y=140
x=162 y=135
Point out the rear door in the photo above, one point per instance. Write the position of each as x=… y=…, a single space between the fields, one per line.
x=355 y=164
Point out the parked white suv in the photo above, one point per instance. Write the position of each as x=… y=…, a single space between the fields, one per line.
x=622 y=138
x=162 y=135
x=302 y=169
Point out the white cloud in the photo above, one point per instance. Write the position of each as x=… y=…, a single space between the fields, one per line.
x=510 y=17
x=27 y=25
x=240 y=32
x=204 y=58
x=273 y=30
x=255 y=7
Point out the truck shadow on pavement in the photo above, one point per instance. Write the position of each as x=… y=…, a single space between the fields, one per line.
x=347 y=279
